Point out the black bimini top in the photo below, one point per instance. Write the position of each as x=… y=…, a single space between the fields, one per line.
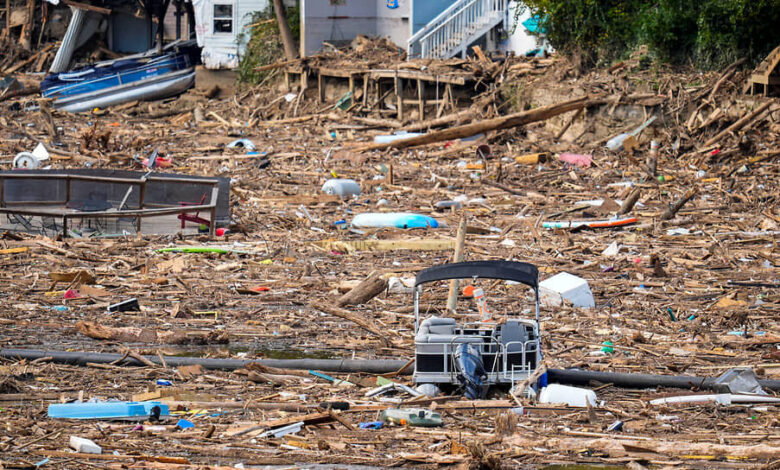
x=526 y=273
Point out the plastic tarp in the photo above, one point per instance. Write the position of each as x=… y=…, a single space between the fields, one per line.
x=535 y=25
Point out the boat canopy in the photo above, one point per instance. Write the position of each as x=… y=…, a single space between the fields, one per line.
x=525 y=273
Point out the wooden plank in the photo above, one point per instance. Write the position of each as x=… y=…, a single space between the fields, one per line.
x=340 y=73
x=433 y=244
x=312 y=418
x=414 y=75
x=87 y=6
x=79 y=455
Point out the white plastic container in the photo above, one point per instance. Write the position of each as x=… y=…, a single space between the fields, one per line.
x=341 y=187
x=85 y=446
x=565 y=286
x=572 y=396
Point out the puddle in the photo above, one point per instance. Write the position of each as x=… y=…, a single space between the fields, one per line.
x=248 y=351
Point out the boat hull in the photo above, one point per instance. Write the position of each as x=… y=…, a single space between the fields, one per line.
x=153 y=88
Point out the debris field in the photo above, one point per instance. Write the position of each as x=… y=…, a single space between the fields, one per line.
x=688 y=288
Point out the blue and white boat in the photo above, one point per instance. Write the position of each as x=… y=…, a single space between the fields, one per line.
x=110 y=83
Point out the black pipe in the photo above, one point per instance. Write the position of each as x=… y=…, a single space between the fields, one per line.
x=378 y=366
x=584 y=377
x=325 y=365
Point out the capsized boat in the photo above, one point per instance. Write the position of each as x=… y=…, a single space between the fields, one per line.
x=105 y=84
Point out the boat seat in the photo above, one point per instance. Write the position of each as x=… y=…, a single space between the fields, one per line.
x=435 y=332
x=512 y=332
x=437 y=326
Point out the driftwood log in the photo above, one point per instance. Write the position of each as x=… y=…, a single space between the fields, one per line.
x=674 y=208
x=372 y=286
x=474 y=128
x=148 y=335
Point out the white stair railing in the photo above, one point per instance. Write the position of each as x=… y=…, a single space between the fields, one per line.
x=456 y=27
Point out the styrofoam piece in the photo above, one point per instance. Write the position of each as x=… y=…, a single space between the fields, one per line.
x=398 y=285
x=612 y=250
x=40 y=152
x=107 y=410
x=565 y=286
x=572 y=396
x=394 y=219
x=341 y=187
x=85 y=446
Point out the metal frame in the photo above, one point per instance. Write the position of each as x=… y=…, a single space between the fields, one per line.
x=506 y=270
x=139 y=213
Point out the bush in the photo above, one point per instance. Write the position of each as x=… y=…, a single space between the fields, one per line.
x=265 y=44
x=710 y=33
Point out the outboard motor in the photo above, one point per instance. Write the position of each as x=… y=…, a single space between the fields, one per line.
x=471 y=371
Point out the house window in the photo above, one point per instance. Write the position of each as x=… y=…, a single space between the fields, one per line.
x=223 y=18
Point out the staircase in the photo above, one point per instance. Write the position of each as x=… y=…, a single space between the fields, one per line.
x=457 y=27
x=763 y=74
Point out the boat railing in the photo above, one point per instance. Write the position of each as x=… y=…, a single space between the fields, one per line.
x=141 y=212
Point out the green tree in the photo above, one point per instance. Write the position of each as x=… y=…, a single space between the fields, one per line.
x=710 y=33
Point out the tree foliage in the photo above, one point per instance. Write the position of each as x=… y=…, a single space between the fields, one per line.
x=264 y=46
x=708 y=33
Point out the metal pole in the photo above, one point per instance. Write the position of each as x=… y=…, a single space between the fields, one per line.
x=141 y=197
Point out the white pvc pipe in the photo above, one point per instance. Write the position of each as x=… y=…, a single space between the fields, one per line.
x=721 y=399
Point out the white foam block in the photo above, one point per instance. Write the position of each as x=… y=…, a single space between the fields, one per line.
x=565 y=286
x=85 y=446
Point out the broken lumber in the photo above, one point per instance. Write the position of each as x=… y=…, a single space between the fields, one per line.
x=372 y=286
x=388 y=245
x=145 y=458
x=444 y=120
x=630 y=201
x=498 y=185
x=276 y=65
x=474 y=128
x=147 y=335
x=460 y=239
x=674 y=208
x=742 y=122
x=616 y=447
